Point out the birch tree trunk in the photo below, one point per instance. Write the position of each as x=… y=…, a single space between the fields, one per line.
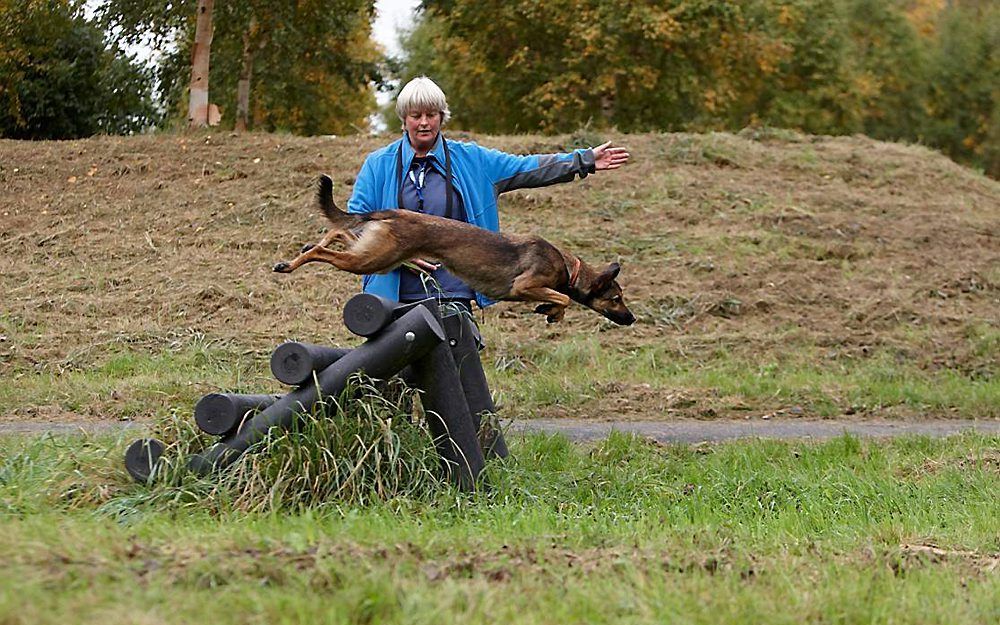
x=246 y=72
x=198 y=109
x=243 y=87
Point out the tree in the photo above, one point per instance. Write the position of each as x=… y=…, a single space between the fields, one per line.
x=964 y=83
x=198 y=103
x=304 y=66
x=59 y=80
x=642 y=65
x=918 y=70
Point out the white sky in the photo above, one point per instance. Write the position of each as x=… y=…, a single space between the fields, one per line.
x=391 y=15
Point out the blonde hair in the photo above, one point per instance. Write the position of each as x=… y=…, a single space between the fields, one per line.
x=422 y=94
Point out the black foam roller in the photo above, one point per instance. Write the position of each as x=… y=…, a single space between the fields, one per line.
x=141 y=458
x=294 y=363
x=462 y=337
x=448 y=416
x=402 y=342
x=221 y=413
x=366 y=314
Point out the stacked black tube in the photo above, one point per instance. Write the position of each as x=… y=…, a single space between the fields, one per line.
x=438 y=353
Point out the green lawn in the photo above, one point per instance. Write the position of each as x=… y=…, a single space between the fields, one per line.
x=846 y=531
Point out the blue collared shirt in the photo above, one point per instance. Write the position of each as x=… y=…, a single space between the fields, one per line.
x=424 y=191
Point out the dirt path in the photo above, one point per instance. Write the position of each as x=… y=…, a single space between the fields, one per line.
x=662 y=431
x=700 y=431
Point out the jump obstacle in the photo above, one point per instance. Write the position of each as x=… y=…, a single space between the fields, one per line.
x=431 y=350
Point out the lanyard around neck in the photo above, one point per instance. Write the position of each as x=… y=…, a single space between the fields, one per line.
x=418 y=184
x=447 y=170
x=418 y=179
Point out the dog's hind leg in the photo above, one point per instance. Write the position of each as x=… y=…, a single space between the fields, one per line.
x=309 y=255
x=310 y=252
x=342 y=236
x=328 y=238
x=345 y=261
x=360 y=263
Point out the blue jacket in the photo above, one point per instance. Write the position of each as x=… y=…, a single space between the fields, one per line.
x=479 y=175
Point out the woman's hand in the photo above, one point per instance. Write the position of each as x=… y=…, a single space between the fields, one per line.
x=607 y=157
x=422 y=265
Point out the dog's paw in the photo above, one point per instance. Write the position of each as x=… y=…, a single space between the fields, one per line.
x=281 y=267
x=307 y=247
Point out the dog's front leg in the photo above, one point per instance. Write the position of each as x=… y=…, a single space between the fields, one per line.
x=553 y=304
x=555 y=314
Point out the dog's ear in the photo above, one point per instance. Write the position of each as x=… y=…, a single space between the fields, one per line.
x=606 y=277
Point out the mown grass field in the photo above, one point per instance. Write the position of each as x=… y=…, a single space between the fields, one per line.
x=771 y=272
x=847 y=531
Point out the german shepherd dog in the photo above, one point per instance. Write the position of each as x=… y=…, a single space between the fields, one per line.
x=527 y=269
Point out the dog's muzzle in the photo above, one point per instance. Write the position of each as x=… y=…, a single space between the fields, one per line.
x=621 y=319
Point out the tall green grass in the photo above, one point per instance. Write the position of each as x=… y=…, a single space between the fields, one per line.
x=625 y=487
x=367 y=445
x=849 y=531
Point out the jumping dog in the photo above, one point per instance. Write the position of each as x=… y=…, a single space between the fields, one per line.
x=527 y=269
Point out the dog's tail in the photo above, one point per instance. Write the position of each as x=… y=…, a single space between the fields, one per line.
x=324 y=197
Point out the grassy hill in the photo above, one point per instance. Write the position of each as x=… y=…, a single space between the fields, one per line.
x=773 y=274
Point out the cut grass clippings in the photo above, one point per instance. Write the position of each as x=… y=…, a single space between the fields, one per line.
x=768 y=270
